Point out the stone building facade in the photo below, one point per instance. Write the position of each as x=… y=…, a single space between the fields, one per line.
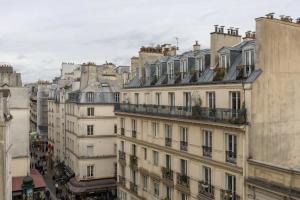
x=217 y=123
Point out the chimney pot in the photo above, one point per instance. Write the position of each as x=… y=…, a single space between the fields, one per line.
x=237 y=31
x=270 y=15
x=298 y=20
x=216 y=28
x=222 y=29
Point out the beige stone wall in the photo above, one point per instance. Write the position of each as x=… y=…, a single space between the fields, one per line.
x=194 y=156
x=275 y=118
x=20 y=166
x=103 y=140
x=147 y=95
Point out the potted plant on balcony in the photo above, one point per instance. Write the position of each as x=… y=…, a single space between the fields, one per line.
x=220 y=73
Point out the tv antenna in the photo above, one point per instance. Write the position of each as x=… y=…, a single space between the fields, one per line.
x=177 y=43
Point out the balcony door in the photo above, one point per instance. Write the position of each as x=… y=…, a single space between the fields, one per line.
x=235 y=101
x=122 y=146
x=158 y=98
x=168 y=161
x=133 y=149
x=231 y=183
x=183 y=167
x=207 y=175
x=187 y=101
x=171 y=99
x=211 y=103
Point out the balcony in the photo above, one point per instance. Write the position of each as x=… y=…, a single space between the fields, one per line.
x=122 y=181
x=168 y=142
x=134 y=133
x=207 y=151
x=229 y=195
x=183 y=145
x=133 y=187
x=122 y=131
x=205 y=190
x=231 y=157
x=133 y=162
x=195 y=113
x=167 y=173
x=183 y=180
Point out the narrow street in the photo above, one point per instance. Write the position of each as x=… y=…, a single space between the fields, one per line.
x=36 y=156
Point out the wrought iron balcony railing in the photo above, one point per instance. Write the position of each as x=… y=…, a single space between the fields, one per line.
x=122 y=155
x=196 y=112
x=133 y=187
x=183 y=145
x=183 y=180
x=231 y=157
x=229 y=195
x=168 y=142
x=206 y=189
x=207 y=151
x=167 y=173
x=134 y=133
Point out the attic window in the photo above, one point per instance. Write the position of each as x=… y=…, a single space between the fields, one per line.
x=223 y=61
x=171 y=69
x=249 y=57
x=90 y=97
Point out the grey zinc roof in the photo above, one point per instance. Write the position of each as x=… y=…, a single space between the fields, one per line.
x=253 y=76
x=135 y=82
x=162 y=80
x=206 y=76
x=232 y=71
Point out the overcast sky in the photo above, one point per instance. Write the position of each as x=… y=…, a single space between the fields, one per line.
x=37 y=35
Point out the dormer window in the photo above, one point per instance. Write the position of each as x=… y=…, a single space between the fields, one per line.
x=248 y=61
x=171 y=69
x=184 y=66
x=200 y=63
x=158 y=71
x=90 y=97
x=223 y=61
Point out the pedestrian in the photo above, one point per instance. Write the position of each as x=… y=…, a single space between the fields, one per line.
x=56 y=188
x=48 y=194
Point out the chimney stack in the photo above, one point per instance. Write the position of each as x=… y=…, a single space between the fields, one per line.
x=196 y=46
x=219 y=39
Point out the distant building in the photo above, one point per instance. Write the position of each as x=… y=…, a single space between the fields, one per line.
x=42 y=109
x=81 y=131
x=19 y=126
x=5 y=146
x=8 y=76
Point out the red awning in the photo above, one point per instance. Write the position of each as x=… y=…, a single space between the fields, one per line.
x=38 y=180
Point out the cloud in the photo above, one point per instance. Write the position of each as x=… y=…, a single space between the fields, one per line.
x=36 y=36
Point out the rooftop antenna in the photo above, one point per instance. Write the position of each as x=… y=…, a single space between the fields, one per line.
x=177 y=42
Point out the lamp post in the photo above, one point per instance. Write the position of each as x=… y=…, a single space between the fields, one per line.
x=27 y=188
